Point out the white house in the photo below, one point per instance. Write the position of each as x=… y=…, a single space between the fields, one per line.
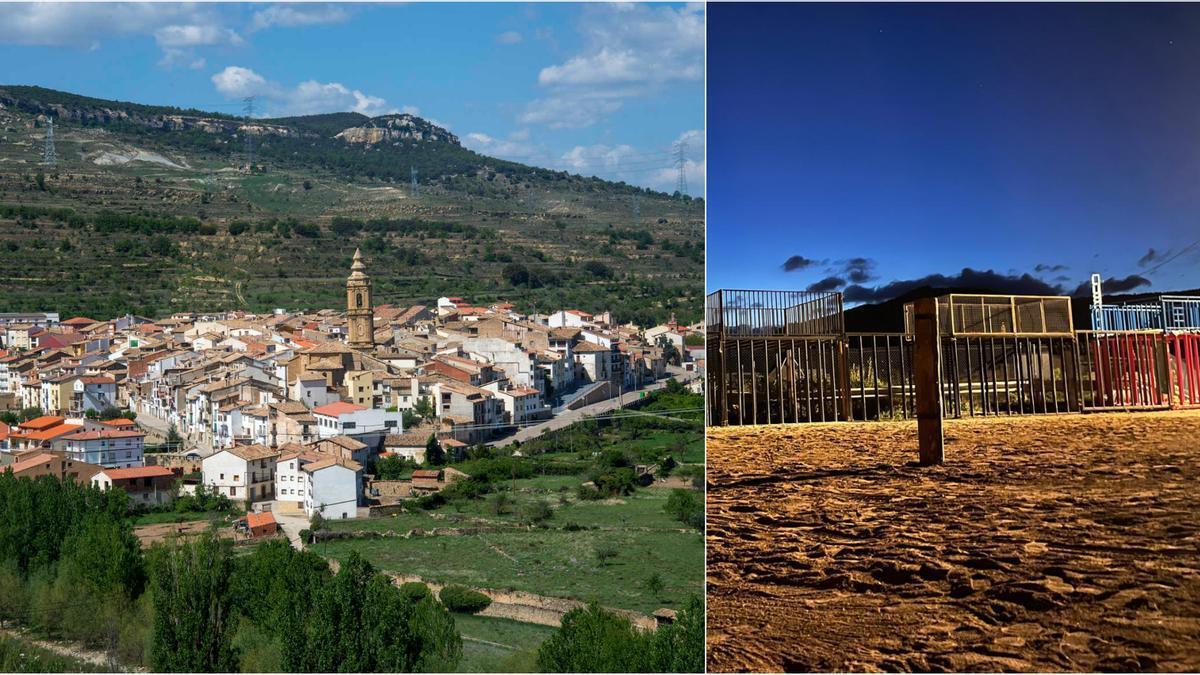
x=244 y=472
x=113 y=448
x=332 y=488
x=94 y=392
x=569 y=318
x=521 y=404
x=350 y=419
x=291 y=483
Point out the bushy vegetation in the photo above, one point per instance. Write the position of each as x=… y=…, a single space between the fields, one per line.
x=594 y=640
x=70 y=567
x=458 y=598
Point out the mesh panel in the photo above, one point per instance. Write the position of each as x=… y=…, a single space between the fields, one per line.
x=999 y=315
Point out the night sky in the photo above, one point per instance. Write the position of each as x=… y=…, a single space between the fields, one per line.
x=876 y=148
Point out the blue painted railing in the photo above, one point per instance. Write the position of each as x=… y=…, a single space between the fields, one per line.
x=1171 y=312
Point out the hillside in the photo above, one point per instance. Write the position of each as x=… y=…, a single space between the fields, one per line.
x=151 y=209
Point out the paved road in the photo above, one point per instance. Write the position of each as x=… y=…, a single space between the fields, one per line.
x=572 y=416
x=291 y=524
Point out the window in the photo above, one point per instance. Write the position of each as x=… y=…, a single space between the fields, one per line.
x=358 y=299
x=237 y=478
x=349 y=425
x=390 y=424
x=222 y=476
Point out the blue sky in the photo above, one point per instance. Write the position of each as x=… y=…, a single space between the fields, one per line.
x=595 y=89
x=873 y=146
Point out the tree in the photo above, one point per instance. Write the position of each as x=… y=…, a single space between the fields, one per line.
x=670 y=351
x=654 y=584
x=424 y=409
x=434 y=455
x=516 y=274
x=686 y=506
x=192 y=606
x=593 y=640
x=678 y=647
x=40 y=178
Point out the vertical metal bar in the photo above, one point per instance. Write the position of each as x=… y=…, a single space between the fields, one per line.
x=891 y=391
x=779 y=377
x=1007 y=377
x=807 y=385
x=753 y=384
x=742 y=393
x=1053 y=376
x=970 y=379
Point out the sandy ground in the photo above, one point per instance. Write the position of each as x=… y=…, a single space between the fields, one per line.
x=1043 y=543
x=150 y=534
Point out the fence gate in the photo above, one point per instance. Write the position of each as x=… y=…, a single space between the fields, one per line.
x=775 y=357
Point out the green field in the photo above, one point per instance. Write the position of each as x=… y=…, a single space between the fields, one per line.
x=586 y=548
x=551 y=562
x=517 y=655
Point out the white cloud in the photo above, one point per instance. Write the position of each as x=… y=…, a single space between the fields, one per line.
x=509 y=37
x=629 y=50
x=307 y=98
x=177 y=28
x=570 y=111
x=656 y=168
x=297 y=15
x=195 y=35
x=236 y=81
x=515 y=146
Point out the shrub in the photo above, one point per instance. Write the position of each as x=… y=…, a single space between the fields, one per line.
x=458 y=598
x=415 y=591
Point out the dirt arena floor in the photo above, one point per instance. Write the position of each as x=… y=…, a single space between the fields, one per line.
x=1044 y=544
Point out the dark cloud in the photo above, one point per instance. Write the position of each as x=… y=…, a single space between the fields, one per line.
x=993 y=282
x=1151 y=256
x=859 y=270
x=1115 y=285
x=797 y=262
x=827 y=284
x=1043 y=267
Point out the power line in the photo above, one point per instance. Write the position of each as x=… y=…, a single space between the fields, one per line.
x=681 y=164
x=1185 y=249
x=49 y=155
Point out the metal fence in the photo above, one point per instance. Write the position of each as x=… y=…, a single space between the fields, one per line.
x=1140 y=370
x=1171 y=312
x=758 y=374
x=880 y=376
x=741 y=313
x=993 y=315
x=984 y=376
x=776 y=380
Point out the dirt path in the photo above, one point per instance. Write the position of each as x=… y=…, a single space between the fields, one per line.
x=1044 y=543
x=71 y=650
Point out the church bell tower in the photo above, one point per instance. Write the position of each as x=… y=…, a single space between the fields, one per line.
x=359 y=315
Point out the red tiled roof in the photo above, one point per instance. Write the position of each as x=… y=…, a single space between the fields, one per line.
x=18 y=467
x=104 y=433
x=51 y=433
x=138 y=472
x=79 y=321
x=337 y=408
x=254 y=520
x=120 y=422
x=97 y=379
x=43 y=422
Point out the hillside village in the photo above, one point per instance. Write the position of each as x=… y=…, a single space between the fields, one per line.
x=297 y=407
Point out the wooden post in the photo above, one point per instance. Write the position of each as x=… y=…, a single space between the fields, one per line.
x=927 y=371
